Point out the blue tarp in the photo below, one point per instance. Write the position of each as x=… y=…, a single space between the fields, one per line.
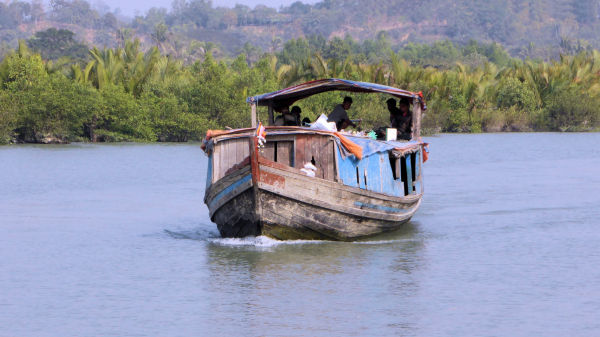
x=371 y=146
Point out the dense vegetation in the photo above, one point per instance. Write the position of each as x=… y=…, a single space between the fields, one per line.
x=169 y=75
x=126 y=93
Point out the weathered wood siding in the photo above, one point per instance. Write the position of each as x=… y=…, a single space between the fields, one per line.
x=296 y=151
x=228 y=153
x=279 y=150
x=319 y=148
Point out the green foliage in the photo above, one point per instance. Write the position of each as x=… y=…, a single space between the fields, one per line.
x=512 y=92
x=53 y=44
x=130 y=94
x=570 y=111
x=8 y=117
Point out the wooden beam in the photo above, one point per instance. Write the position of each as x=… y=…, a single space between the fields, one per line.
x=271 y=116
x=416 y=118
x=253 y=108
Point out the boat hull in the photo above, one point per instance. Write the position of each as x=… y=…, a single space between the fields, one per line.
x=283 y=203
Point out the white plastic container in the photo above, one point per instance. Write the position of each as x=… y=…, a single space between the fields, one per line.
x=391 y=134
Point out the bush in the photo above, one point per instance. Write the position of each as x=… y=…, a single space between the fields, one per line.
x=514 y=93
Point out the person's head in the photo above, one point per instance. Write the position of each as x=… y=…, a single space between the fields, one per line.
x=347 y=102
x=296 y=111
x=391 y=103
x=404 y=105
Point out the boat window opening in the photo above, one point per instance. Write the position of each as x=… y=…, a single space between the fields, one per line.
x=275 y=152
x=403 y=174
x=394 y=165
x=357 y=177
x=365 y=178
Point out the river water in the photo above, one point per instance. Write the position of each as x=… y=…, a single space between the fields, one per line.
x=114 y=240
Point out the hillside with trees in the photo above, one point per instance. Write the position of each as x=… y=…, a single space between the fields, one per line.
x=526 y=28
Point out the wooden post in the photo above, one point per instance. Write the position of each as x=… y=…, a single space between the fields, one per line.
x=271 y=117
x=416 y=119
x=253 y=108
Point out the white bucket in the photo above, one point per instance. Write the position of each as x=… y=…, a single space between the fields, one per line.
x=391 y=134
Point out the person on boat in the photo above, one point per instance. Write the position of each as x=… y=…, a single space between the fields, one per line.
x=400 y=117
x=296 y=111
x=339 y=115
x=286 y=117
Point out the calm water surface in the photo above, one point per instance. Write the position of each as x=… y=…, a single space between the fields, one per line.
x=114 y=240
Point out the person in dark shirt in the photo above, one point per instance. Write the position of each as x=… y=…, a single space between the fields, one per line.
x=401 y=118
x=296 y=111
x=339 y=115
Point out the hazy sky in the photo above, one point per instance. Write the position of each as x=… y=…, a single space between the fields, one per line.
x=141 y=6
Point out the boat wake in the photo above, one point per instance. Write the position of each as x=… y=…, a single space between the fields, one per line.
x=261 y=241
x=213 y=237
x=250 y=241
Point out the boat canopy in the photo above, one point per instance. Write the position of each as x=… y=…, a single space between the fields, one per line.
x=287 y=96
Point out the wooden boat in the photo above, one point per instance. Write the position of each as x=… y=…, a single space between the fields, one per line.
x=361 y=186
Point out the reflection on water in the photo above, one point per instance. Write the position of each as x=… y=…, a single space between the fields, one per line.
x=113 y=240
x=318 y=282
x=303 y=287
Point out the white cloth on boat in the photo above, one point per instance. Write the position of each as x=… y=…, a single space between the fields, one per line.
x=322 y=124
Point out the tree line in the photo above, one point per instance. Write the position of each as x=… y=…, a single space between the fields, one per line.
x=130 y=94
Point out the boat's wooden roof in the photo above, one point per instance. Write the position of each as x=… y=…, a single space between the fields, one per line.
x=287 y=96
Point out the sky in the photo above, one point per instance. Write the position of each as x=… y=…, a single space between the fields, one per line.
x=133 y=7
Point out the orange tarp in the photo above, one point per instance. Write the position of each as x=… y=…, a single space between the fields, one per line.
x=214 y=133
x=354 y=148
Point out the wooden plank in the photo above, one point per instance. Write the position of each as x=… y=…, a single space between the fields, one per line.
x=226 y=156
x=328 y=159
x=253 y=111
x=320 y=189
x=284 y=152
x=224 y=182
x=268 y=151
x=302 y=196
x=243 y=151
x=271 y=116
x=416 y=114
x=223 y=159
x=336 y=168
x=237 y=189
x=234 y=151
x=217 y=162
x=300 y=151
x=316 y=154
x=277 y=138
x=310 y=182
